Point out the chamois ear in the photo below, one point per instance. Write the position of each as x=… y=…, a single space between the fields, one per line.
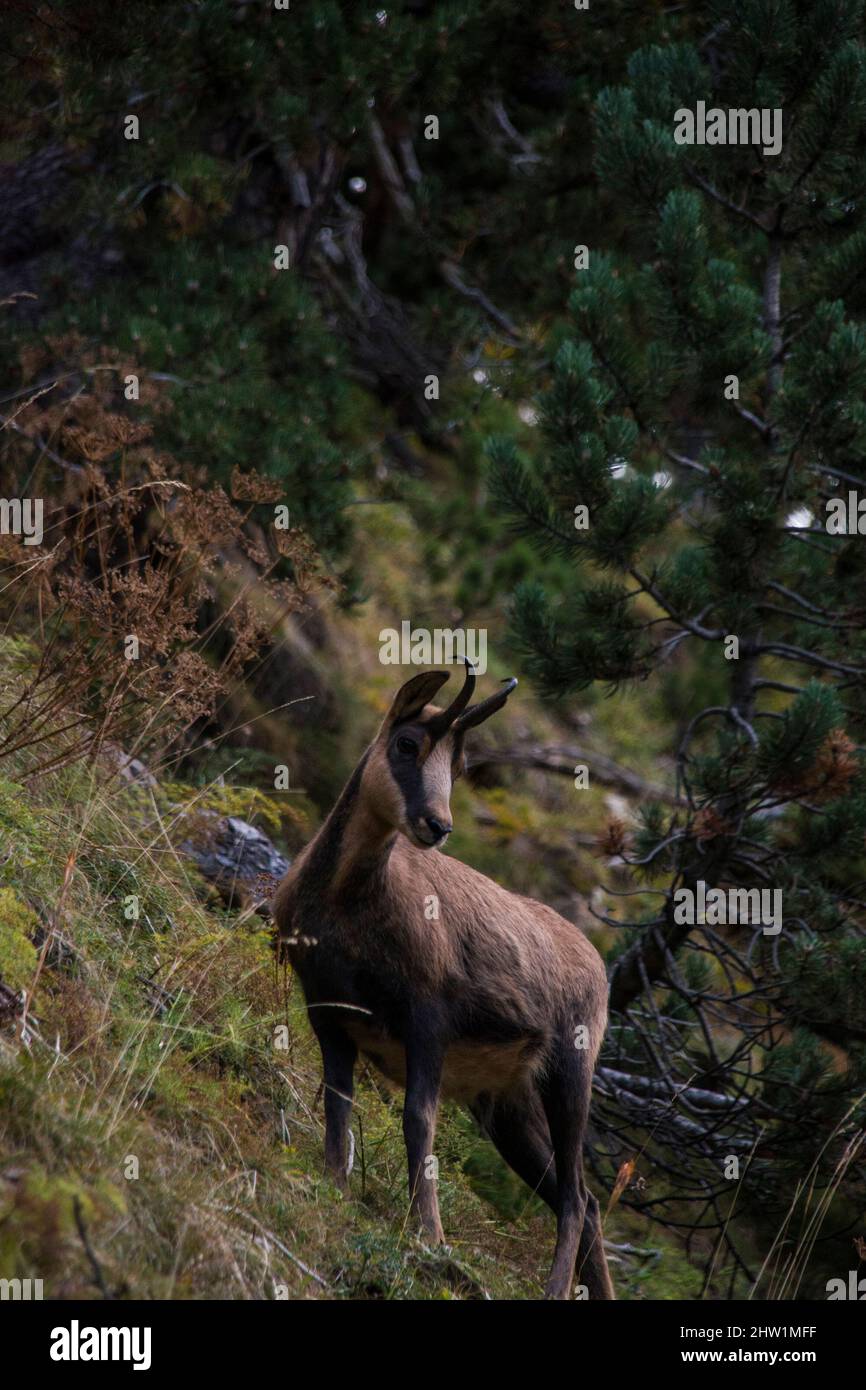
x=413 y=696
x=476 y=714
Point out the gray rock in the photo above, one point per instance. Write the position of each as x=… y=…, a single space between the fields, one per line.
x=243 y=863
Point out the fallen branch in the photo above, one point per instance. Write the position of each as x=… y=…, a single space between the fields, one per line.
x=562 y=759
x=646 y=1086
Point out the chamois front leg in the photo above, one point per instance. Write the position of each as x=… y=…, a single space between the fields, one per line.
x=423 y=1084
x=338 y=1057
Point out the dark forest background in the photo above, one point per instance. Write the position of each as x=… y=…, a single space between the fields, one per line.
x=432 y=385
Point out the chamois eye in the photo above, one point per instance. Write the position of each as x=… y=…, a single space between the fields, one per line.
x=407 y=745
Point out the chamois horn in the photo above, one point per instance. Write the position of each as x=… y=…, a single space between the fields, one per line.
x=443 y=722
x=476 y=714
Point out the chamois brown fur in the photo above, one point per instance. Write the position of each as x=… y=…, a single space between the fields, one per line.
x=451 y=985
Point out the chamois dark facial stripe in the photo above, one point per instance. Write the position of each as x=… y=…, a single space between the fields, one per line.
x=406 y=771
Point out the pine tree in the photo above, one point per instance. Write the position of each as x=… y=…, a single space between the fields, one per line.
x=159 y=162
x=705 y=407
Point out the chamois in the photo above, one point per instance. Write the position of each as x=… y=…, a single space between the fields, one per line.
x=448 y=983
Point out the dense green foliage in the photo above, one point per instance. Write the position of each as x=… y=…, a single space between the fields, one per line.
x=153 y=163
x=706 y=406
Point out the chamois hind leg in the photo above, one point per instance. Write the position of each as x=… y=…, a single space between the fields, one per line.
x=592 y=1267
x=565 y=1095
x=516 y=1125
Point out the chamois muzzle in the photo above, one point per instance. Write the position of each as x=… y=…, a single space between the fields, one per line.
x=438 y=830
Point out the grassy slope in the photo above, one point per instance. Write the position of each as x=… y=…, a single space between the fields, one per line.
x=156 y=1138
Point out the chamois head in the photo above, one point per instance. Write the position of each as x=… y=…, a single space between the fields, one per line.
x=418 y=753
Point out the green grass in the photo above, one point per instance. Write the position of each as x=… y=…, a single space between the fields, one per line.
x=156 y=1138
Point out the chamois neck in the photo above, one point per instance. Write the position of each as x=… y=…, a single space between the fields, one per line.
x=351 y=851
